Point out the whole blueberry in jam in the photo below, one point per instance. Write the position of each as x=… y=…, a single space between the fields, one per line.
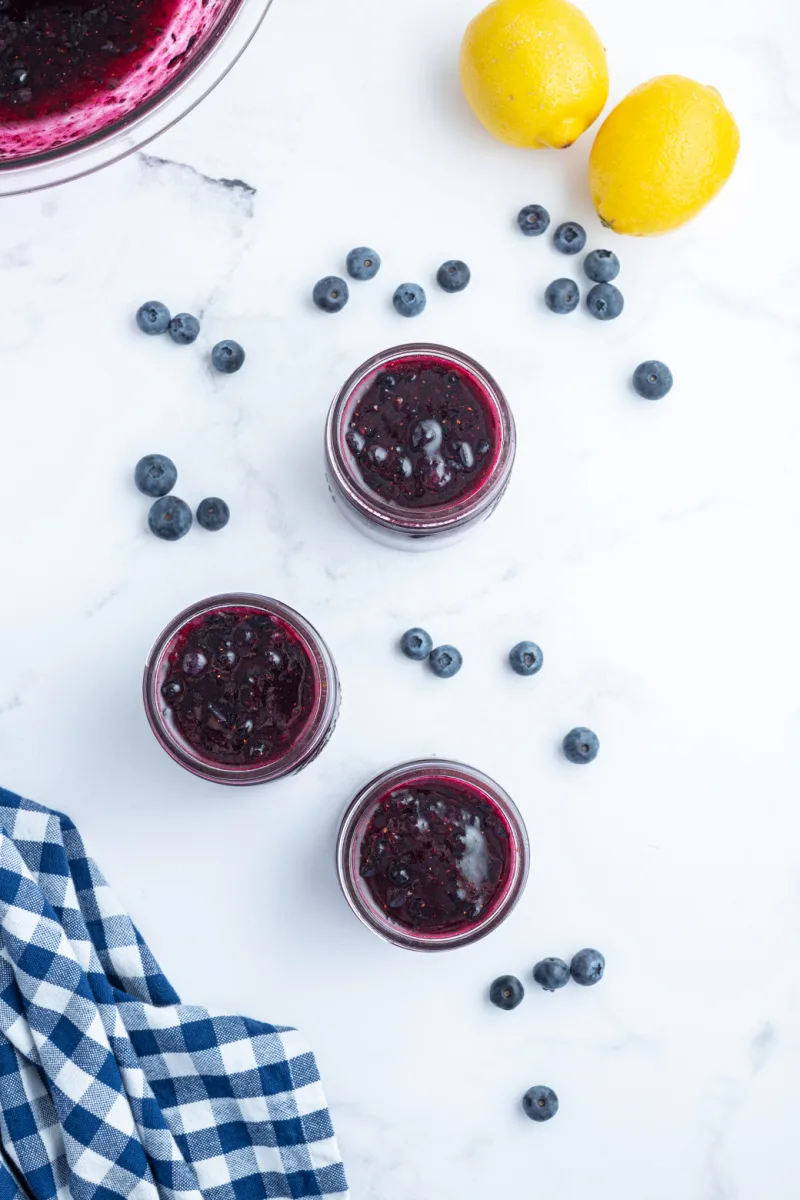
x=239 y=686
x=436 y=856
x=422 y=434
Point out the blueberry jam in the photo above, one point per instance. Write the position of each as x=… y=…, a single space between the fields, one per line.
x=436 y=856
x=422 y=434
x=57 y=56
x=239 y=685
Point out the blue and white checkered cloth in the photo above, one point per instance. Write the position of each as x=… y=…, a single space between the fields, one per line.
x=109 y=1086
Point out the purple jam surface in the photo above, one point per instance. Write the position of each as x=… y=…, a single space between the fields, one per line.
x=57 y=56
x=422 y=434
x=240 y=686
x=435 y=856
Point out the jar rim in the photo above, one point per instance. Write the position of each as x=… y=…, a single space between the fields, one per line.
x=404 y=775
x=319 y=725
x=438 y=518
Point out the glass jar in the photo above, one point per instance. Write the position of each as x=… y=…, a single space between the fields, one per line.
x=384 y=459
x=432 y=855
x=240 y=689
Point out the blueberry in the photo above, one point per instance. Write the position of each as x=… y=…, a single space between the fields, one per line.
x=551 y=974
x=194 y=662
x=184 y=329
x=213 y=514
x=587 y=967
x=416 y=644
x=155 y=475
x=409 y=300
x=540 y=1103
x=363 y=263
x=562 y=296
x=453 y=275
x=427 y=435
x=601 y=266
x=605 y=301
x=507 y=992
x=533 y=220
x=227 y=357
x=581 y=746
x=153 y=317
x=569 y=238
x=331 y=294
x=170 y=518
x=445 y=661
x=435 y=474
x=526 y=658
x=652 y=379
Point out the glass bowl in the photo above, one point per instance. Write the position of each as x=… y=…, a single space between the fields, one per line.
x=197 y=48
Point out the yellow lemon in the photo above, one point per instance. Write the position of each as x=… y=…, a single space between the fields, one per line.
x=534 y=72
x=662 y=155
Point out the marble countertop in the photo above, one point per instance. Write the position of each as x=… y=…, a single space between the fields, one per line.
x=649 y=548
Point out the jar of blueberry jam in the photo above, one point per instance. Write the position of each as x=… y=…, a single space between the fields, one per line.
x=241 y=689
x=432 y=855
x=419 y=446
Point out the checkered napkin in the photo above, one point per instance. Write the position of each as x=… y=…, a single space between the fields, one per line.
x=109 y=1086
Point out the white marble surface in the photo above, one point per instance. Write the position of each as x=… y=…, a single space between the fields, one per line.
x=650 y=549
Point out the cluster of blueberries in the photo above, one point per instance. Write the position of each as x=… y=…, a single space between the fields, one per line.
x=154 y=318
x=525 y=658
x=580 y=745
x=332 y=293
x=652 y=380
x=171 y=518
x=605 y=301
x=587 y=968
